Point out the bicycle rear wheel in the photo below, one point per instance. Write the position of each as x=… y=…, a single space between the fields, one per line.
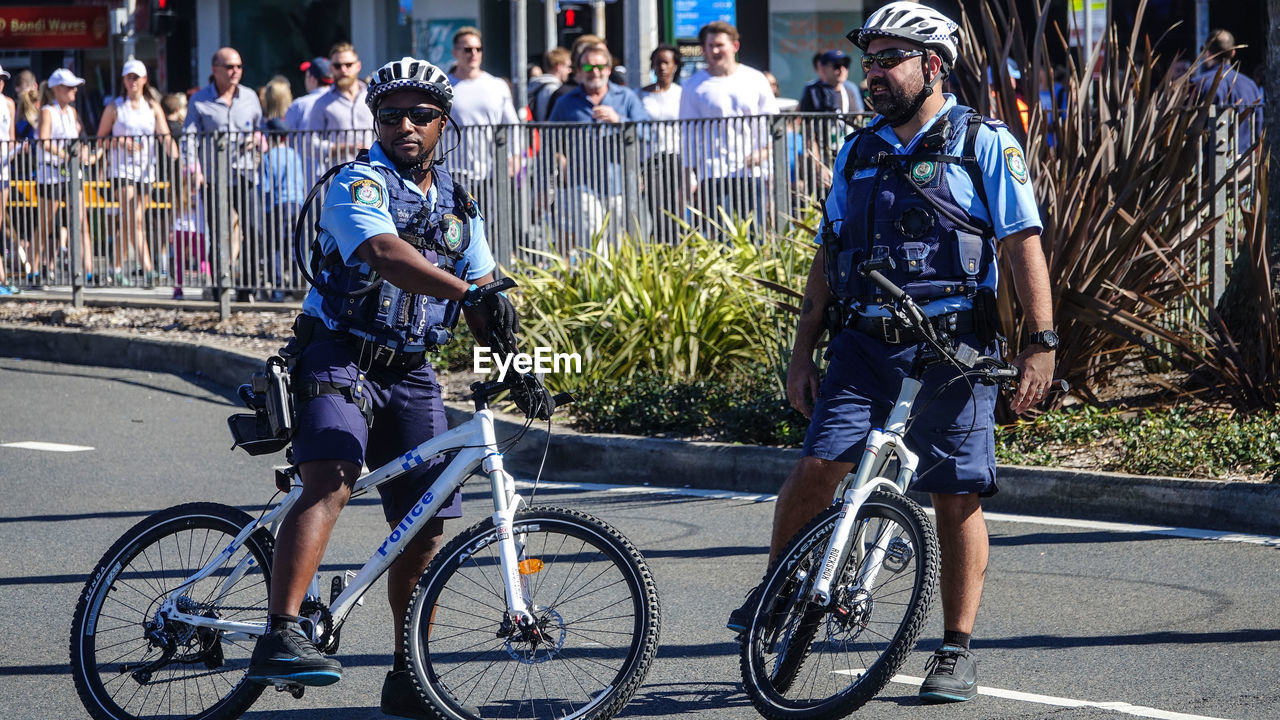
x=118 y=648
x=803 y=660
x=597 y=629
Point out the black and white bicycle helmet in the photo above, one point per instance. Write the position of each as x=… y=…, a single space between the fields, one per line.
x=914 y=22
x=412 y=73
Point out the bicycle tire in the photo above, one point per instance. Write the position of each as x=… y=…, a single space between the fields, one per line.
x=205 y=679
x=802 y=669
x=597 y=608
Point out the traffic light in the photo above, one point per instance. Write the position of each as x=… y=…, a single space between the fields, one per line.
x=162 y=19
x=574 y=20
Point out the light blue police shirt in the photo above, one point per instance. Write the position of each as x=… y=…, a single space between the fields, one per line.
x=1005 y=178
x=347 y=223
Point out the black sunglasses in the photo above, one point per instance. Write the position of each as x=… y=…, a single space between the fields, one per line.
x=888 y=59
x=417 y=115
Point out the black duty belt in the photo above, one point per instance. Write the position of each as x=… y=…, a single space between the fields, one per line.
x=886 y=330
x=382 y=357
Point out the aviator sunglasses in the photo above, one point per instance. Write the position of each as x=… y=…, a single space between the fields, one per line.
x=417 y=115
x=888 y=59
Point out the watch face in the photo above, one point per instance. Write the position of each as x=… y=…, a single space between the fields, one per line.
x=1047 y=338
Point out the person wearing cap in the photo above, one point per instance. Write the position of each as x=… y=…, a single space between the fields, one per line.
x=8 y=144
x=227 y=106
x=340 y=117
x=128 y=130
x=832 y=92
x=1234 y=90
x=366 y=391
x=934 y=186
x=59 y=125
x=317 y=81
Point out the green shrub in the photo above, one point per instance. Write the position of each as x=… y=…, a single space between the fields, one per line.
x=745 y=407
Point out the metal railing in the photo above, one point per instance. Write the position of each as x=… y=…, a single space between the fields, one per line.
x=213 y=214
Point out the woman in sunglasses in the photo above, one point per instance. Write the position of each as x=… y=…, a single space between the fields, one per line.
x=395 y=223
x=927 y=189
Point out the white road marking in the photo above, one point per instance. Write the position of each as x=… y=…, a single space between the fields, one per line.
x=1116 y=706
x=1166 y=530
x=46 y=446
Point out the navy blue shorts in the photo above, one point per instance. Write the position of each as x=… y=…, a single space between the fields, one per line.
x=407 y=411
x=953 y=431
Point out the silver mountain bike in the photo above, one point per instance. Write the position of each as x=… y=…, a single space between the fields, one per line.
x=535 y=612
x=840 y=608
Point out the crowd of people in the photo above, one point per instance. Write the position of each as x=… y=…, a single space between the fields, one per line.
x=706 y=149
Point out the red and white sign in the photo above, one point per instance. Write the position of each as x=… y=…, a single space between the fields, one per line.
x=53 y=27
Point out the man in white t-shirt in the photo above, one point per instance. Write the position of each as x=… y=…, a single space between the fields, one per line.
x=480 y=101
x=730 y=156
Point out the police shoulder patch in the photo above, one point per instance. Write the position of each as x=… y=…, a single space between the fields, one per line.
x=367 y=192
x=1016 y=164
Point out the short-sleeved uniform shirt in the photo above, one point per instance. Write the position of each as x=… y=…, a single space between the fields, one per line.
x=352 y=215
x=953 y=429
x=407 y=407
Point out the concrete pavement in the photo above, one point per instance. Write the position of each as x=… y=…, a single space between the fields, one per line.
x=583 y=457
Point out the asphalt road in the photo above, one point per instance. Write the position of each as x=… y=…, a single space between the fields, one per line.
x=1079 y=621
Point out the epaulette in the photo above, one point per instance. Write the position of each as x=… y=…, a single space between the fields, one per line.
x=994 y=123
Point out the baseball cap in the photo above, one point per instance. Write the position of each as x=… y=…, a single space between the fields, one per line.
x=834 y=57
x=134 y=67
x=318 y=68
x=63 y=76
x=277 y=125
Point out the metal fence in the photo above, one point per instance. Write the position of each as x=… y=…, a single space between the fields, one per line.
x=212 y=215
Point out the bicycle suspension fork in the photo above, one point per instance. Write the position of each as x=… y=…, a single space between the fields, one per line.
x=506 y=502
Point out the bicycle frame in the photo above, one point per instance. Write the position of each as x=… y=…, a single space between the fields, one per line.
x=476 y=444
x=882 y=446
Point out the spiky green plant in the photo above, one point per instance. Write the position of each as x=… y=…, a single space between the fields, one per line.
x=1126 y=210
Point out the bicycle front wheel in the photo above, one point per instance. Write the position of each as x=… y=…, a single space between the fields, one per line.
x=129 y=664
x=802 y=660
x=597 y=622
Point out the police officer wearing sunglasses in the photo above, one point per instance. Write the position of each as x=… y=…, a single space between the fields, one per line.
x=937 y=188
x=400 y=245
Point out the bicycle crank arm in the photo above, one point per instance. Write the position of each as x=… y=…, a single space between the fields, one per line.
x=834 y=555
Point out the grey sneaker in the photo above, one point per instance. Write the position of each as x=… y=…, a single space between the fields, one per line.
x=952 y=676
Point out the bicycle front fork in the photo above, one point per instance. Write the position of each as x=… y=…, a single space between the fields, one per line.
x=838 y=545
x=506 y=502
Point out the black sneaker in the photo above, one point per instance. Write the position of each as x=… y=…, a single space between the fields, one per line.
x=740 y=619
x=952 y=676
x=400 y=698
x=288 y=656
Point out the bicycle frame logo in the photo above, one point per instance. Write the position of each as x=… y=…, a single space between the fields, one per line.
x=406 y=523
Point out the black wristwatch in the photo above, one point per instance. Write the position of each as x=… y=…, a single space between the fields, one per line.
x=1046 y=338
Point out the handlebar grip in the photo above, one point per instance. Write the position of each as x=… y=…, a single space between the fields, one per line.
x=892 y=290
x=496 y=286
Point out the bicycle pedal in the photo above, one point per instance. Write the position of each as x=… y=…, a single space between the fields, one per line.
x=293 y=688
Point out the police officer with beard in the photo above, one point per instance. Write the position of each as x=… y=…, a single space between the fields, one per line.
x=933 y=186
x=363 y=389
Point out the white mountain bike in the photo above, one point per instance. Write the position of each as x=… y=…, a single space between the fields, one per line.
x=839 y=610
x=535 y=612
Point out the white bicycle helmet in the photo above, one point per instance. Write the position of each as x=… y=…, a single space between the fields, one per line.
x=914 y=22
x=410 y=72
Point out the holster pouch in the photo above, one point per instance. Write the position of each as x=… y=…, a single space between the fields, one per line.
x=270 y=426
x=986 y=316
x=833 y=318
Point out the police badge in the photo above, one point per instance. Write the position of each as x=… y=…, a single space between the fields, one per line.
x=451 y=229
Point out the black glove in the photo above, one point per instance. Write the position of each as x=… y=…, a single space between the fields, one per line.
x=502 y=322
x=533 y=399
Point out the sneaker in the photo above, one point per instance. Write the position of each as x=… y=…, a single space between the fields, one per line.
x=400 y=698
x=177 y=293
x=740 y=619
x=287 y=655
x=951 y=676
x=6 y=290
